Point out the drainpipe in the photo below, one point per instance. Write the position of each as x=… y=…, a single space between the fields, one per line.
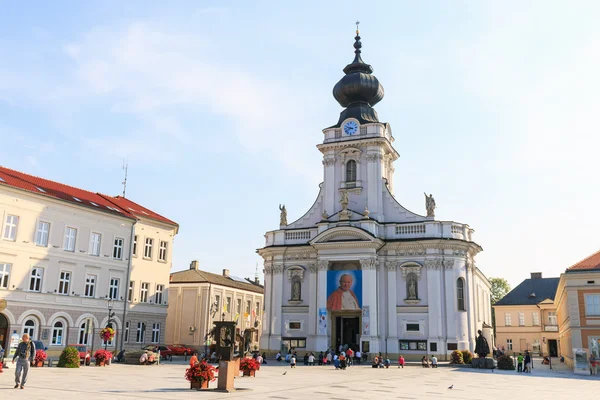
x=126 y=297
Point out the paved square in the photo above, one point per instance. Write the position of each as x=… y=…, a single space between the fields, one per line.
x=359 y=382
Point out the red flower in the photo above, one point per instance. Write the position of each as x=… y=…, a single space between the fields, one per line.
x=249 y=364
x=200 y=372
x=40 y=355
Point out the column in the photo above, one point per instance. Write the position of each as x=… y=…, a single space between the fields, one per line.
x=266 y=323
x=312 y=306
x=369 y=275
x=322 y=340
x=392 y=331
x=329 y=184
x=277 y=295
x=435 y=300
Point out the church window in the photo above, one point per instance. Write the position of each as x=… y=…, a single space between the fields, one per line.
x=460 y=294
x=351 y=171
x=296 y=288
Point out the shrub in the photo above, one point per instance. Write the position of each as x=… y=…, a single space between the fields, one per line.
x=456 y=357
x=249 y=364
x=467 y=356
x=69 y=358
x=102 y=355
x=506 y=362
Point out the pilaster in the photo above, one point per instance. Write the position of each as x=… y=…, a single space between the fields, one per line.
x=369 y=268
x=322 y=341
x=392 y=331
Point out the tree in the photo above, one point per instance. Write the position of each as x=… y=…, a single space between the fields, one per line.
x=500 y=287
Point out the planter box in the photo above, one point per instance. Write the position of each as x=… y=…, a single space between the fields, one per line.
x=100 y=363
x=250 y=373
x=38 y=364
x=199 y=385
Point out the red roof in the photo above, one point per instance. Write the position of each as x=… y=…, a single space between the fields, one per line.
x=44 y=187
x=591 y=262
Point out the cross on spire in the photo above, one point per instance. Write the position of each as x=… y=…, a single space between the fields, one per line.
x=357 y=23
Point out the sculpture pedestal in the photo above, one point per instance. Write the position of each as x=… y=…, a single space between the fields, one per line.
x=226 y=375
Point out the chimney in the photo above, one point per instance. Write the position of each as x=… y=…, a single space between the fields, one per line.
x=226 y=273
x=194 y=265
x=536 y=275
x=256 y=280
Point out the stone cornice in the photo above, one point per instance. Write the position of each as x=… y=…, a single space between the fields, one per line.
x=438 y=263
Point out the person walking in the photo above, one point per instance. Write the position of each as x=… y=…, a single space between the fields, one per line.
x=25 y=354
x=527 y=362
x=520 y=363
x=401 y=361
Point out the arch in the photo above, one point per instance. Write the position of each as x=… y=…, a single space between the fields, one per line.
x=85 y=316
x=116 y=320
x=350 y=171
x=9 y=316
x=40 y=317
x=346 y=232
x=460 y=294
x=63 y=315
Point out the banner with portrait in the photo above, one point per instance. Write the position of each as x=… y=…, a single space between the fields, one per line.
x=344 y=290
x=322 y=322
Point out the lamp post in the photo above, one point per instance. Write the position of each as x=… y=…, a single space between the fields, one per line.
x=111 y=314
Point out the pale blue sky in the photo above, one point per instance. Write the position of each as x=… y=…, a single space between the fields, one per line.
x=218 y=106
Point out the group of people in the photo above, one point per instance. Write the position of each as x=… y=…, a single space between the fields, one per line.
x=524 y=363
x=380 y=362
x=429 y=362
x=341 y=359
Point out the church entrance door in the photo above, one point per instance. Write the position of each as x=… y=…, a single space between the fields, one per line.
x=347 y=331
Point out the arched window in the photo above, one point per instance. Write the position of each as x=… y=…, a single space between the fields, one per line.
x=351 y=171
x=84 y=333
x=460 y=294
x=412 y=287
x=57 y=333
x=30 y=328
x=296 y=288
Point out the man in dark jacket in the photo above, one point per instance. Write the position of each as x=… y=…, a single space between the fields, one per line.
x=24 y=355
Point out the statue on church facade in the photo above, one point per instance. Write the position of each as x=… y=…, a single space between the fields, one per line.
x=283 y=216
x=412 y=287
x=296 y=289
x=430 y=205
x=344 y=199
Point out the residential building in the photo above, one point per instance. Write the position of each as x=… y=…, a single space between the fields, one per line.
x=526 y=317
x=578 y=306
x=198 y=298
x=65 y=252
x=358 y=268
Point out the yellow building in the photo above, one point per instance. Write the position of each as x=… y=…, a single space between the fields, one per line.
x=526 y=317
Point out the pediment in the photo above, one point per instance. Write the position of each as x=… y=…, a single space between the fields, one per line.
x=344 y=234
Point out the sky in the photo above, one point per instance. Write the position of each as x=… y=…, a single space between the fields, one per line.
x=217 y=106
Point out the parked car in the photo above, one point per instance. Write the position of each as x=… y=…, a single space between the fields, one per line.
x=165 y=352
x=84 y=355
x=39 y=345
x=180 y=350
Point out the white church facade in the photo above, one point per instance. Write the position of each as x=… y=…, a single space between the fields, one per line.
x=359 y=269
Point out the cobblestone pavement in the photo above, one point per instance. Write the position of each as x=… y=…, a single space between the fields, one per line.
x=358 y=382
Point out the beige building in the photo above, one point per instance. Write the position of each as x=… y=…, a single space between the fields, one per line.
x=197 y=298
x=65 y=252
x=526 y=317
x=578 y=305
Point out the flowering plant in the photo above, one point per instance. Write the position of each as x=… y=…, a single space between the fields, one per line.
x=40 y=356
x=200 y=372
x=107 y=334
x=102 y=355
x=248 y=364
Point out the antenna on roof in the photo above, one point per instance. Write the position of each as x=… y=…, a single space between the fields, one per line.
x=256 y=273
x=124 y=180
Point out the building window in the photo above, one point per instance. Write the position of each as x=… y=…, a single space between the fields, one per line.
x=162 y=251
x=144 y=292
x=4 y=275
x=433 y=347
x=126 y=338
x=130 y=292
x=535 y=316
x=141 y=328
x=418 y=345
x=351 y=171
x=452 y=346
x=293 y=343
x=507 y=319
x=295 y=326
x=29 y=328
x=10 y=228
x=257 y=310
x=218 y=302
x=412 y=327
x=552 y=316
x=148 y=248
x=228 y=305
x=95 y=240
x=35 y=281
x=155 y=333
x=84 y=333
x=158 y=296
x=41 y=236
x=113 y=289
x=248 y=306
x=521 y=319
x=118 y=249
x=537 y=348
x=70 y=235
x=64 y=282
x=57 y=334
x=460 y=294
x=90 y=286
x=509 y=344
x=135 y=241
x=592 y=306
x=238 y=307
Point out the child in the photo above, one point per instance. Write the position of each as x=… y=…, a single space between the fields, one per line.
x=401 y=361
x=293 y=361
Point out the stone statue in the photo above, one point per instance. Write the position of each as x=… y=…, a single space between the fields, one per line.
x=344 y=199
x=430 y=205
x=283 y=216
x=296 y=290
x=482 y=348
x=324 y=215
x=366 y=213
x=412 y=287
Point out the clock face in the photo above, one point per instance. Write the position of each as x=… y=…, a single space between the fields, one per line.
x=350 y=128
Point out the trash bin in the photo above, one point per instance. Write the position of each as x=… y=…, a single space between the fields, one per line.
x=49 y=362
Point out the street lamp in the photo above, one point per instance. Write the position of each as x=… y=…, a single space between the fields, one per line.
x=111 y=314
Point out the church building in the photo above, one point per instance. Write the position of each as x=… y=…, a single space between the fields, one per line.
x=359 y=269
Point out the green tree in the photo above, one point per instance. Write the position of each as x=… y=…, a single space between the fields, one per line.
x=500 y=287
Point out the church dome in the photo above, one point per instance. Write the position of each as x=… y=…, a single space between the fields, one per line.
x=358 y=91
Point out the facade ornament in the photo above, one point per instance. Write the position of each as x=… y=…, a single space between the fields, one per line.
x=295 y=271
x=368 y=264
x=283 y=216
x=460 y=253
x=344 y=214
x=278 y=269
x=411 y=269
x=329 y=161
x=323 y=265
x=430 y=205
x=267 y=270
x=391 y=265
x=366 y=213
x=324 y=216
x=434 y=263
x=448 y=264
x=312 y=267
x=373 y=157
x=411 y=251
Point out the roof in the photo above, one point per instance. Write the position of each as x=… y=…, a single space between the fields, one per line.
x=590 y=263
x=530 y=292
x=80 y=197
x=198 y=276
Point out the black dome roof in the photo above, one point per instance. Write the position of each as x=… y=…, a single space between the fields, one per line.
x=358 y=90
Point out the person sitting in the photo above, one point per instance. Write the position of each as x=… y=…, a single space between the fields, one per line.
x=425 y=362
x=278 y=356
x=342 y=360
x=144 y=359
x=401 y=361
x=375 y=362
x=121 y=356
x=387 y=363
x=434 y=363
x=151 y=359
x=213 y=357
x=546 y=360
x=264 y=357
